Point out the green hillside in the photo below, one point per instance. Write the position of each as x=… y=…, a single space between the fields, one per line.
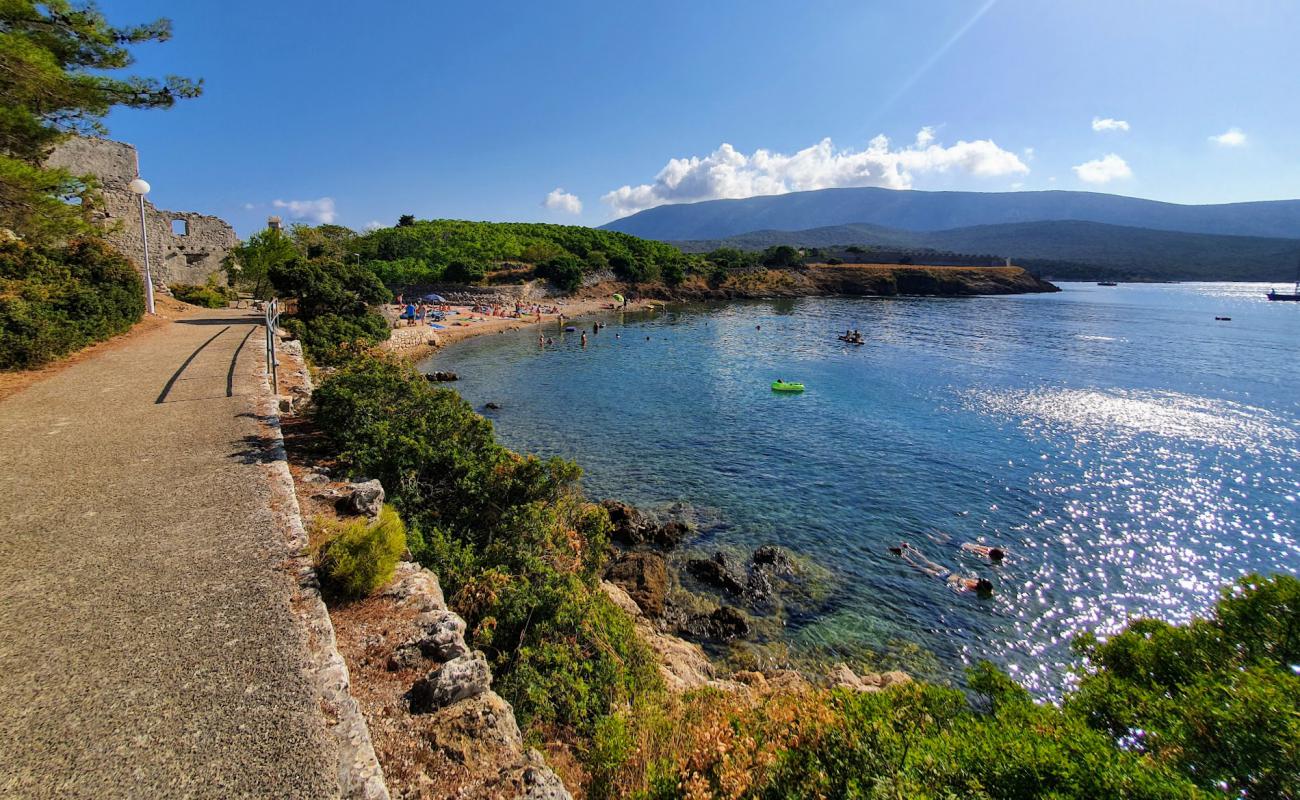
x=430 y=251
x=1060 y=249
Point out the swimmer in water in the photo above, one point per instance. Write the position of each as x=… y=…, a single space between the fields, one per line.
x=584 y=338
x=994 y=554
x=958 y=583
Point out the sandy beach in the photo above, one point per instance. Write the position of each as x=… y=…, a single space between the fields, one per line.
x=462 y=323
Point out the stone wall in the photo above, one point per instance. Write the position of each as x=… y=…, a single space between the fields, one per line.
x=187 y=256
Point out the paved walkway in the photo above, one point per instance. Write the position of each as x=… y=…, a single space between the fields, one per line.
x=147 y=646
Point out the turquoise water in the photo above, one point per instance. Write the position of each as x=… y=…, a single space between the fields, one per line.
x=1130 y=452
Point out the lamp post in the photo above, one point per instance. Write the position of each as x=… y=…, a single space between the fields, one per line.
x=140 y=187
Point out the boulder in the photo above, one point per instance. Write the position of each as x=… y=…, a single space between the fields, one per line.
x=365 y=497
x=644 y=577
x=441 y=636
x=478 y=733
x=671 y=534
x=458 y=679
x=630 y=527
x=773 y=558
x=539 y=782
x=722 y=625
x=441 y=377
x=414 y=585
x=717 y=571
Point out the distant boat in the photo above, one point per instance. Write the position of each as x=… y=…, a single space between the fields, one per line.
x=1294 y=295
x=1107 y=283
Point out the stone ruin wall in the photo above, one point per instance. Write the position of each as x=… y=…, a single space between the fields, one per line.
x=173 y=258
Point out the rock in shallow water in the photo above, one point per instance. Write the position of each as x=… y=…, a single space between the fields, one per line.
x=722 y=625
x=718 y=571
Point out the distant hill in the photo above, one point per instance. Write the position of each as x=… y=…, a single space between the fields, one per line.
x=1060 y=249
x=936 y=211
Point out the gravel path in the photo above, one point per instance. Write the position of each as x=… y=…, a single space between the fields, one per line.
x=147 y=646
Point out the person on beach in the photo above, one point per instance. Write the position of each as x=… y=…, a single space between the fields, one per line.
x=409 y=314
x=994 y=554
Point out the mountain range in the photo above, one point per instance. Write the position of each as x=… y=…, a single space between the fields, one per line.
x=1064 y=233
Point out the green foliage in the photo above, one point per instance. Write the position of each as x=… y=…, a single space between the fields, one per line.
x=783 y=255
x=250 y=264
x=515 y=546
x=423 y=252
x=333 y=314
x=1219 y=697
x=564 y=271
x=460 y=271
x=54 y=300
x=208 y=296
x=360 y=556
x=55 y=65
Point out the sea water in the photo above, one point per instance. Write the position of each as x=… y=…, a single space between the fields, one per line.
x=1130 y=452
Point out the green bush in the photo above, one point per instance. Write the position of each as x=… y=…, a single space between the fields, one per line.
x=564 y=271
x=54 y=300
x=517 y=549
x=361 y=555
x=1219 y=697
x=205 y=296
x=334 y=299
x=460 y=271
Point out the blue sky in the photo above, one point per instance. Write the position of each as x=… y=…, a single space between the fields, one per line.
x=359 y=112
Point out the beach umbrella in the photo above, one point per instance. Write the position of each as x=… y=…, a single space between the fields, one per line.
x=618 y=298
x=435 y=298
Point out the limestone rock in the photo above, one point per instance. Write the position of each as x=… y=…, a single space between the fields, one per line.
x=405 y=657
x=413 y=584
x=644 y=577
x=539 y=782
x=441 y=637
x=458 y=679
x=844 y=678
x=479 y=732
x=366 y=497
x=634 y=529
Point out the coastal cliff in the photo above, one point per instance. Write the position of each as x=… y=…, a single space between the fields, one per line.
x=853 y=280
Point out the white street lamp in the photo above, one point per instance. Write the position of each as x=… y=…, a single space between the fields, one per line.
x=140 y=187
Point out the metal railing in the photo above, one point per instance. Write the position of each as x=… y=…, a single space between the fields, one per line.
x=272 y=330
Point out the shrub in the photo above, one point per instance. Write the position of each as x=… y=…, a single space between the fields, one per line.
x=1218 y=697
x=334 y=300
x=464 y=272
x=564 y=271
x=516 y=547
x=54 y=300
x=361 y=555
x=205 y=296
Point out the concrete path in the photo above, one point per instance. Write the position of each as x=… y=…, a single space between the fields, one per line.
x=147 y=645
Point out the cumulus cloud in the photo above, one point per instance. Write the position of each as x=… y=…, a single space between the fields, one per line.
x=1103 y=170
x=729 y=173
x=249 y=206
x=560 y=200
x=320 y=211
x=1103 y=125
x=373 y=225
x=1232 y=137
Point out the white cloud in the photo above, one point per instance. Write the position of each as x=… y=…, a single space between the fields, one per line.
x=560 y=200
x=1232 y=137
x=319 y=211
x=1029 y=153
x=1103 y=170
x=249 y=206
x=373 y=225
x=1102 y=125
x=728 y=173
